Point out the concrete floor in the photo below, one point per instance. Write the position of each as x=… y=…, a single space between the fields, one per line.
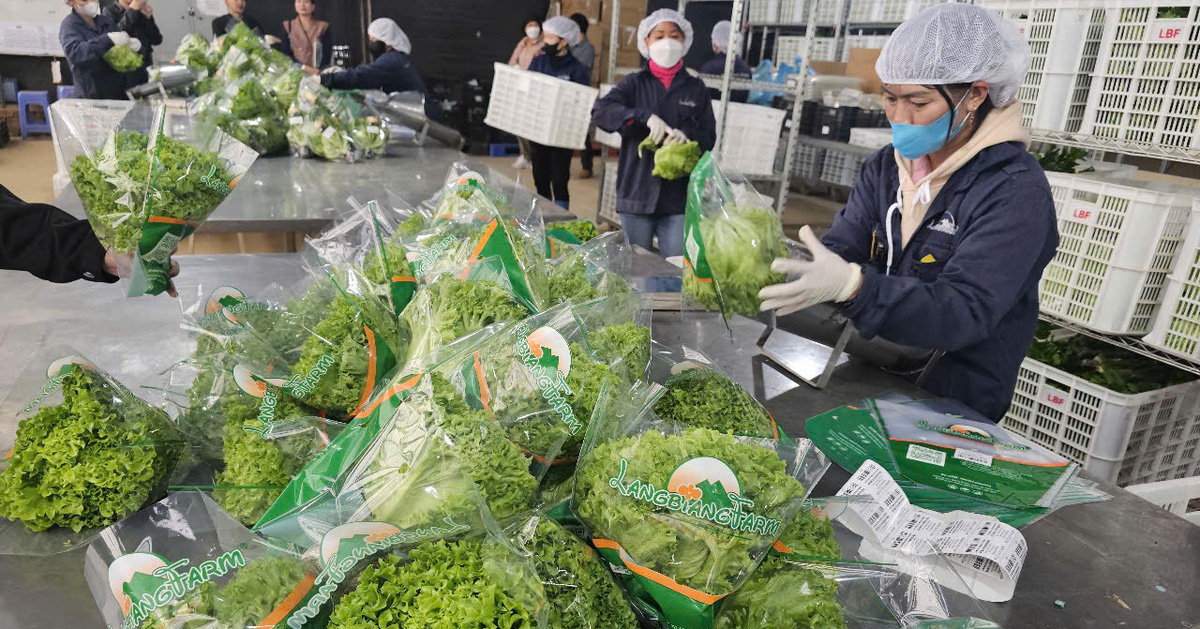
x=27 y=169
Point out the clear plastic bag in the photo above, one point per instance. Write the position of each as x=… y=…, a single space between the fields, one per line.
x=562 y=236
x=196 y=53
x=331 y=125
x=83 y=452
x=815 y=578
x=370 y=238
x=148 y=182
x=184 y=563
x=696 y=393
x=732 y=236
x=682 y=514
x=599 y=268
x=246 y=110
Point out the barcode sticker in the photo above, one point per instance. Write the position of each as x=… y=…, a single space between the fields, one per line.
x=971 y=456
x=926 y=455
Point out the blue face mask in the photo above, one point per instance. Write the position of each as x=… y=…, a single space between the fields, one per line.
x=918 y=140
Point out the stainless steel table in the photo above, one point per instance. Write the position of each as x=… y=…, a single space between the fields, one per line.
x=1104 y=560
x=291 y=194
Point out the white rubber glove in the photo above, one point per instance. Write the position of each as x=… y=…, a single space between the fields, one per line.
x=135 y=44
x=658 y=128
x=272 y=40
x=118 y=38
x=827 y=277
x=675 y=137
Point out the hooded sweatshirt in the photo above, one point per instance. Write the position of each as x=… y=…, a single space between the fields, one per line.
x=919 y=187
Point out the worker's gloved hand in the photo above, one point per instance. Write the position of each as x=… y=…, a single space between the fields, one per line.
x=675 y=137
x=827 y=277
x=118 y=38
x=658 y=128
x=121 y=265
x=272 y=40
x=135 y=44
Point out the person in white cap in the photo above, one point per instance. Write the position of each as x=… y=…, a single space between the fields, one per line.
x=722 y=38
x=528 y=48
x=390 y=71
x=670 y=106
x=552 y=164
x=948 y=229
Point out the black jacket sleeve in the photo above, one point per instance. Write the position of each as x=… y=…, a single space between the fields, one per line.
x=48 y=242
x=326 y=48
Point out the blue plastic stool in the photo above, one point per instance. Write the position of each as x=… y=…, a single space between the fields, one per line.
x=24 y=100
x=503 y=150
x=65 y=91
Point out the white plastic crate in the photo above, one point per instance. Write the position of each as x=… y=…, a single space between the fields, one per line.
x=862 y=41
x=608 y=194
x=1064 y=43
x=792 y=12
x=788 y=47
x=540 y=108
x=1104 y=431
x=870 y=137
x=877 y=11
x=1146 y=87
x=612 y=140
x=751 y=138
x=764 y=11
x=841 y=167
x=808 y=162
x=1117 y=244
x=827 y=12
x=1177 y=327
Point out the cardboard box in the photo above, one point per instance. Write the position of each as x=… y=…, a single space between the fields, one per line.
x=837 y=68
x=11 y=114
x=861 y=64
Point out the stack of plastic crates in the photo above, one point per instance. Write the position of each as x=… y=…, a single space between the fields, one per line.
x=1064 y=42
x=1177 y=328
x=764 y=11
x=870 y=137
x=827 y=12
x=788 y=47
x=1118 y=437
x=808 y=163
x=1146 y=87
x=877 y=11
x=1117 y=243
x=841 y=167
x=540 y=108
x=793 y=12
x=751 y=138
x=862 y=41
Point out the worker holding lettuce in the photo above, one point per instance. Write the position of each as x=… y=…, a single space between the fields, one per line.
x=391 y=69
x=552 y=164
x=669 y=106
x=946 y=233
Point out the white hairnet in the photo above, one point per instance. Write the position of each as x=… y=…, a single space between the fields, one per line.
x=957 y=43
x=722 y=35
x=563 y=27
x=658 y=17
x=386 y=30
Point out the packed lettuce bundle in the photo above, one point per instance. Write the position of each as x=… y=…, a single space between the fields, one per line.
x=580 y=592
x=539 y=379
x=195 y=52
x=332 y=125
x=149 y=182
x=562 y=236
x=123 y=58
x=451 y=307
x=327 y=347
x=144 y=574
x=684 y=514
x=599 y=268
x=672 y=161
x=247 y=111
x=83 y=452
x=732 y=237
x=696 y=393
x=419 y=454
x=370 y=238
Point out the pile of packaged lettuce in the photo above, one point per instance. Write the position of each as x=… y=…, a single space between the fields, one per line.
x=442 y=426
x=253 y=93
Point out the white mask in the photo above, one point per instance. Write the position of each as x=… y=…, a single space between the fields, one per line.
x=532 y=32
x=91 y=9
x=666 y=52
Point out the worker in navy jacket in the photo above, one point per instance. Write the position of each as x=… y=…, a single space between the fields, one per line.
x=85 y=35
x=946 y=233
x=552 y=164
x=670 y=106
x=136 y=19
x=391 y=71
x=722 y=37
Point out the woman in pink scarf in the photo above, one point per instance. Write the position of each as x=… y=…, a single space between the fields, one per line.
x=308 y=40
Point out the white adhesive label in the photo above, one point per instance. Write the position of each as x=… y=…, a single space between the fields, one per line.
x=372 y=129
x=963 y=454
x=922 y=454
x=1168 y=31
x=988 y=553
x=1084 y=214
x=328 y=133
x=1053 y=396
x=295 y=120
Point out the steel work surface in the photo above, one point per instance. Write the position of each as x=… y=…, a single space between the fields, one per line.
x=1103 y=560
x=305 y=195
